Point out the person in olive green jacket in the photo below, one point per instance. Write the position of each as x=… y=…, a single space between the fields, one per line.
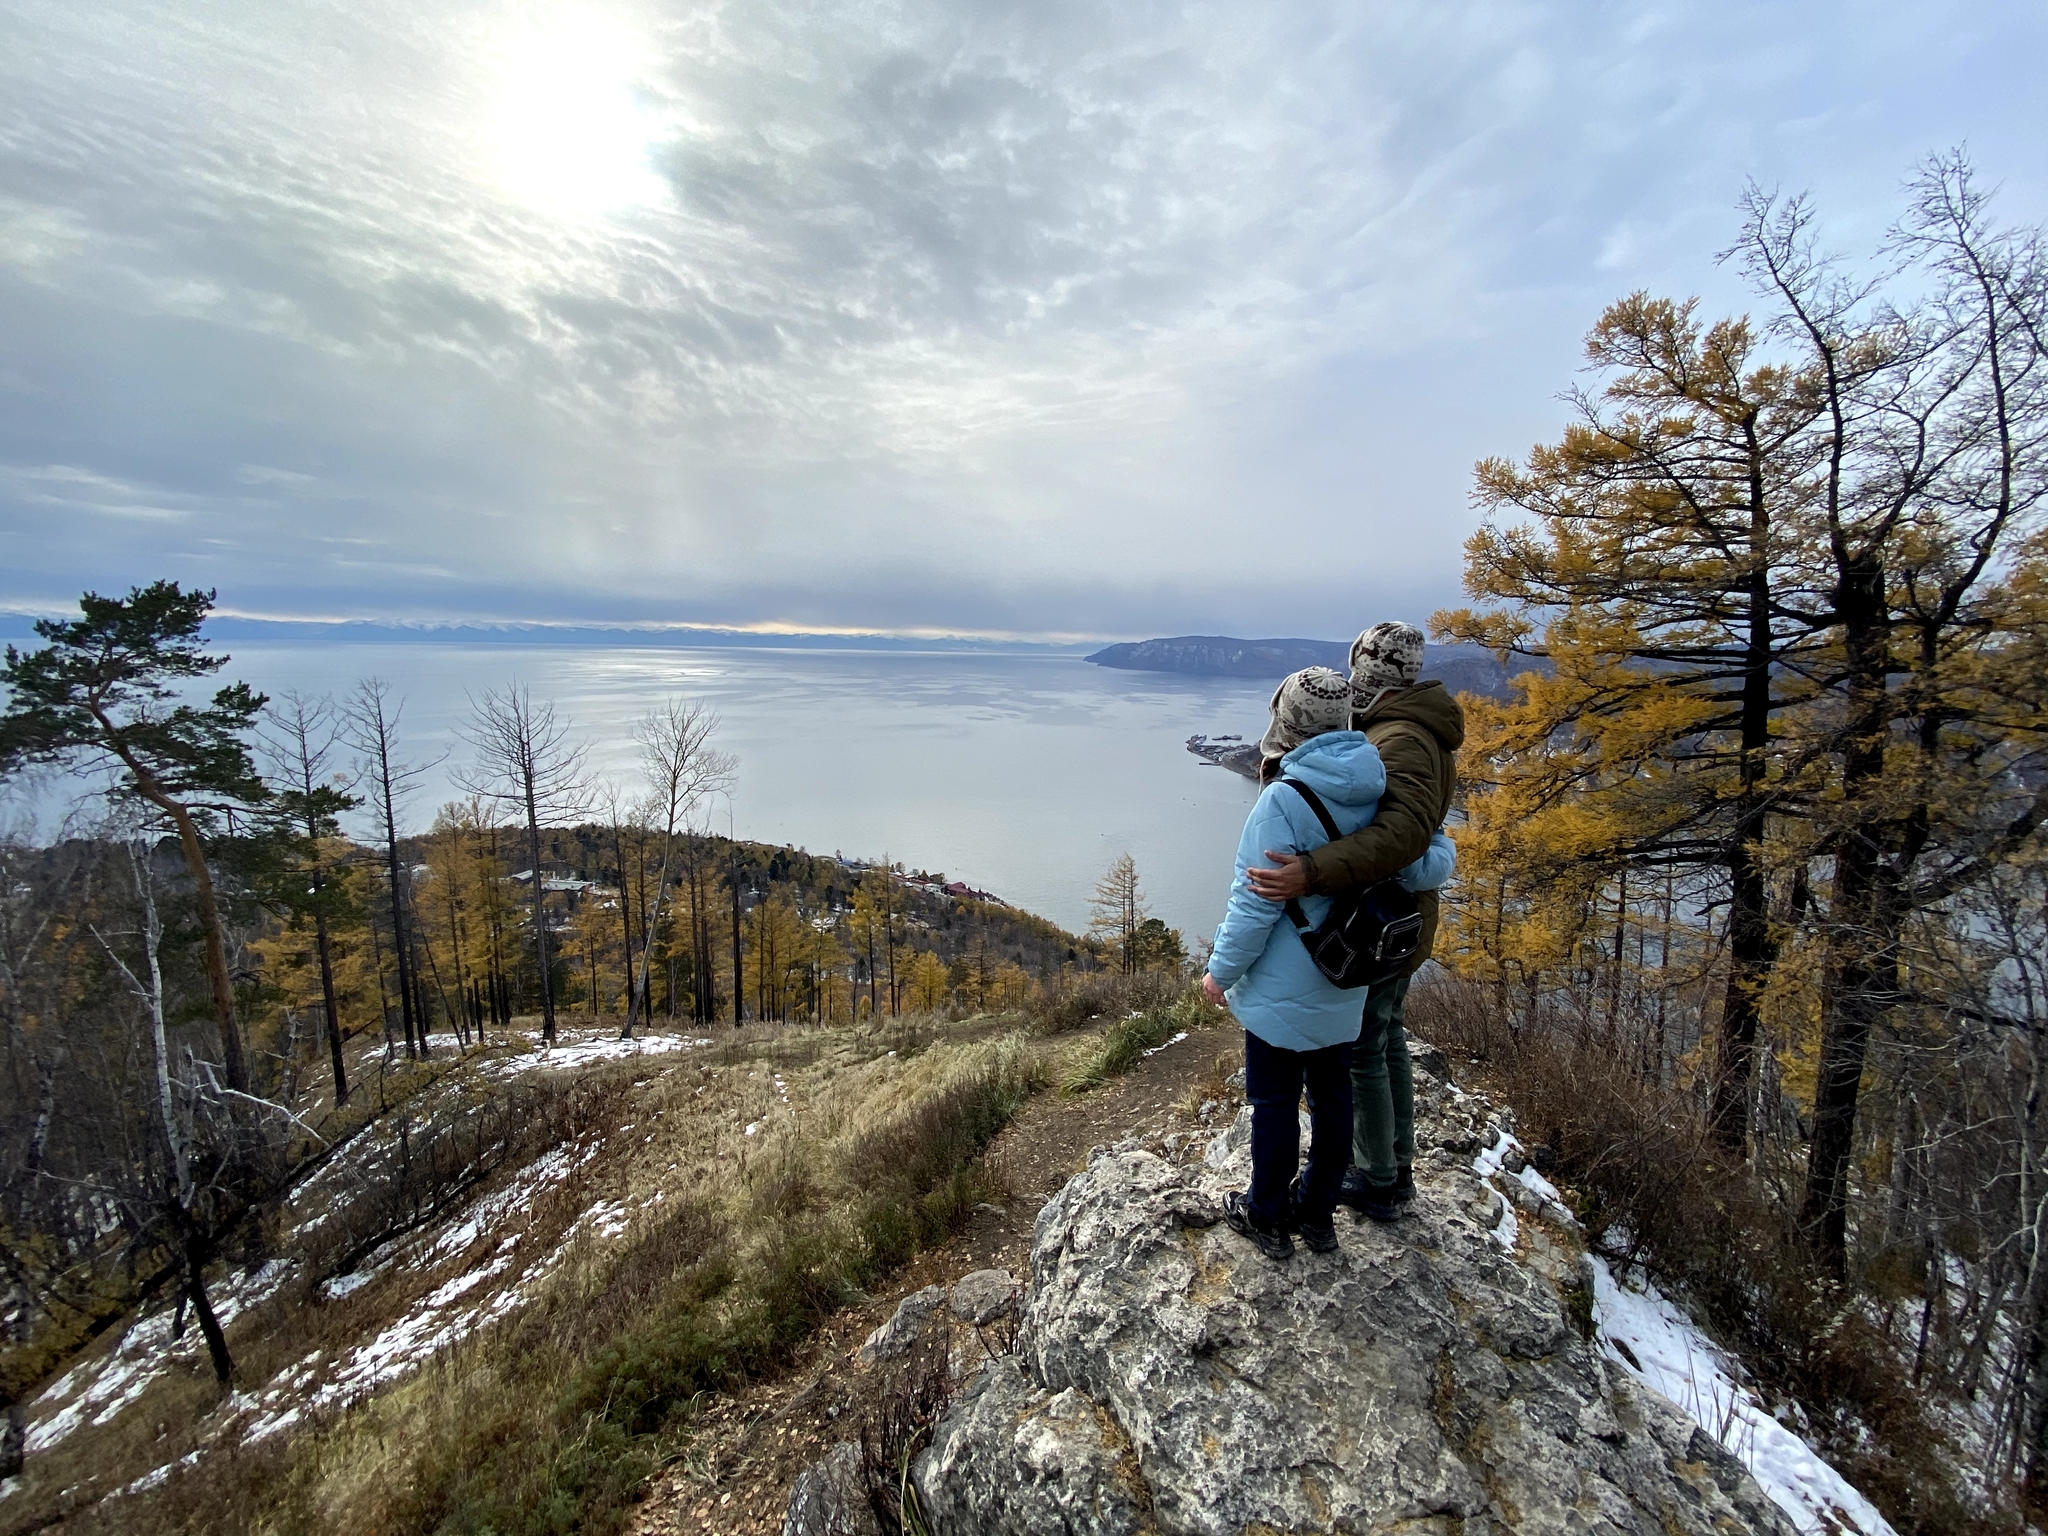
x=1417 y=728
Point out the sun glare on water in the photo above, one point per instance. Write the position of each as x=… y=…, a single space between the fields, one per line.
x=572 y=129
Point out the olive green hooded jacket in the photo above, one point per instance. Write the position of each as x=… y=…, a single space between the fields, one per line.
x=1418 y=732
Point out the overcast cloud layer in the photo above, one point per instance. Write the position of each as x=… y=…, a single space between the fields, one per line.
x=1031 y=318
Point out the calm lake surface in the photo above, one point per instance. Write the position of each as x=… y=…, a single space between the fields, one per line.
x=1024 y=775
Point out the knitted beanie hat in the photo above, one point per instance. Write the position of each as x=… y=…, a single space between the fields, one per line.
x=1388 y=655
x=1307 y=703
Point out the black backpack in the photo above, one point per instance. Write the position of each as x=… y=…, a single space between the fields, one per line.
x=1368 y=936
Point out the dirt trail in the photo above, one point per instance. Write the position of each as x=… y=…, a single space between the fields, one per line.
x=735 y=1478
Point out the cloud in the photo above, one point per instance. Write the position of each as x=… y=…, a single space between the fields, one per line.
x=1046 y=317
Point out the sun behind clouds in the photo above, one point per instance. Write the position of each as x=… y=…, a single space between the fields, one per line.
x=571 y=119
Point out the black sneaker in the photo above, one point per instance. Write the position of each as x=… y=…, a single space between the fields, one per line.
x=1367 y=1198
x=1404 y=1185
x=1274 y=1243
x=1320 y=1236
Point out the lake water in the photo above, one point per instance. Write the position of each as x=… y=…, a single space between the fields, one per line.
x=1024 y=775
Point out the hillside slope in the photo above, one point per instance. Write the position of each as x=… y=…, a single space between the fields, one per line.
x=502 y=1299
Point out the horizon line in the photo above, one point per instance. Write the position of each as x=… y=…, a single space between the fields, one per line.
x=765 y=629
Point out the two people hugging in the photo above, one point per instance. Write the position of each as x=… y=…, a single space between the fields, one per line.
x=1376 y=755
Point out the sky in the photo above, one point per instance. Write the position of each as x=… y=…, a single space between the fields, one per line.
x=1016 y=319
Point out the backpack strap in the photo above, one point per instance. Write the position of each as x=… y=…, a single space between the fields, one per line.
x=1315 y=803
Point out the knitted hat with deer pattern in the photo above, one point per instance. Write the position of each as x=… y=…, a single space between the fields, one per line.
x=1388 y=655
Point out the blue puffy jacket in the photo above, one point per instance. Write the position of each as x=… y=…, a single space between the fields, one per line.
x=1274 y=988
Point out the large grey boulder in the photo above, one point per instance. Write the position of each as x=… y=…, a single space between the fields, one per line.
x=1012 y=1458
x=1170 y=1379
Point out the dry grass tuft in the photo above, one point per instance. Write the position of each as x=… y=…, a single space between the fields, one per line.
x=1214 y=1086
x=1125 y=1042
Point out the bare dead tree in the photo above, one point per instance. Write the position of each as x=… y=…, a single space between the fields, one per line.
x=301 y=737
x=526 y=759
x=372 y=717
x=172 y=1125
x=683 y=771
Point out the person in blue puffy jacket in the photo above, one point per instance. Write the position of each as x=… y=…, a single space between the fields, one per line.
x=1299 y=1027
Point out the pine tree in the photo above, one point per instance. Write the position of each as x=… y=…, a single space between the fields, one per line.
x=103 y=688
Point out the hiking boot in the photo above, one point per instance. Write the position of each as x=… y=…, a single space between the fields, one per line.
x=1367 y=1198
x=1274 y=1243
x=1404 y=1185
x=1320 y=1236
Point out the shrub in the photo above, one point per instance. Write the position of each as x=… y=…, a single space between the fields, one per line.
x=1081 y=1000
x=896 y=1429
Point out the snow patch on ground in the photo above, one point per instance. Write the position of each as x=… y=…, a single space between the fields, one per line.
x=1508 y=1230
x=1662 y=1348
x=346 y=1285
x=485 y=1215
x=1657 y=1344
x=608 y=1218
x=96 y=1390
x=1491 y=1164
x=1176 y=1040
x=150 y=1480
x=444 y=1315
x=434 y=1322
x=570 y=1054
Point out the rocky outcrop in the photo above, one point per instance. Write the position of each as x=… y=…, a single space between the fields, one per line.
x=1167 y=1378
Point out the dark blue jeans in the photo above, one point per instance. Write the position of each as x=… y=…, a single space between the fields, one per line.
x=1274 y=1079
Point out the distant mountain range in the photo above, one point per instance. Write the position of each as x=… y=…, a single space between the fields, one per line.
x=1461 y=668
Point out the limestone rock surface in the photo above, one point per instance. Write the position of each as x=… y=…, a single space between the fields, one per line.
x=827 y=1499
x=900 y=1334
x=983 y=1296
x=1169 y=1379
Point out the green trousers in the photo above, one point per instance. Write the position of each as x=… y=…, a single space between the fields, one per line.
x=1382 y=1087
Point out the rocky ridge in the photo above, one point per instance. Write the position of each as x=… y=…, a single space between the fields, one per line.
x=1433 y=1377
